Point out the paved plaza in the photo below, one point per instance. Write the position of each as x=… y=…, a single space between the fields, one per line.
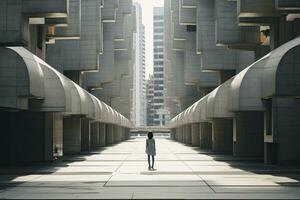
x=120 y=171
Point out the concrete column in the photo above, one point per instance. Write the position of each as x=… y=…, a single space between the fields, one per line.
x=222 y=135
x=248 y=134
x=117 y=134
x=172 y=133
x=109 y=134
x=85 y=134
x=205 y=135
x=57 y=132
x=177 y=134
x=188 y=134
x=102 y=135
x=122 y=134
x=195 y=134
x=127 y=133
x=184 y=134
x=282 y=138
x=95 y=134
x=72 y=134
x=180 y=136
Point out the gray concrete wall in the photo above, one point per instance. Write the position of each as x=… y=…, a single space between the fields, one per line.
x=85 y=134
x=109 y=134
x=95 y=134
x=102 y=134
x=188 y=134
x=195 y=129
x=248 y=129
x=284 y=147
x=205 y=135
x=222 y=135
x=22 y=141
x=72 y=134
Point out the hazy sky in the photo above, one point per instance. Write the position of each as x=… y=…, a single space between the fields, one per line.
x=147 y=15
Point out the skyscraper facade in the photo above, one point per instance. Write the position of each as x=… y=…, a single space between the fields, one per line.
x=139 y=101
x=160 y=114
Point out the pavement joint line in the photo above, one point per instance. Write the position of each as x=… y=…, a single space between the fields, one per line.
x=116 y=170
x=184 y=161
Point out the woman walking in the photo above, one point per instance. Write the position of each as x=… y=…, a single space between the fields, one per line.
x=150 y=150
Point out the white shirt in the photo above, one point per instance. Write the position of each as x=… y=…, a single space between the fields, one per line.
x=150 y=147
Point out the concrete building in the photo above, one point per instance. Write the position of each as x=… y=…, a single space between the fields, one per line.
x=139 y=71
x=45 y=48
x=149 y=98
x=161 y=114
x=238 y=107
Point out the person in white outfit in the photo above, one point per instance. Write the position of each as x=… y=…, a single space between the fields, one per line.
x=150 y=149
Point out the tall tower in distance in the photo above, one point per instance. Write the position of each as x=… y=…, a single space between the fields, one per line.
x=140 y=110
x=160 y=114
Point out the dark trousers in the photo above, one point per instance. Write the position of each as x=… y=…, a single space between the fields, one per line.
x=152 y=161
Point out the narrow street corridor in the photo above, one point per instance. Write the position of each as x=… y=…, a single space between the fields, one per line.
x=120 y=171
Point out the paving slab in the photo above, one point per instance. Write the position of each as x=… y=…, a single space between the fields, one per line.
x=181 y=172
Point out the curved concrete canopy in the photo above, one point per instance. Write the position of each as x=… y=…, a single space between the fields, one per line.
x=200 y=110
x=21 y=76
x=245 y=90
x=280 y=72
x=217 y=102
x=97 y=107
x=56 y=93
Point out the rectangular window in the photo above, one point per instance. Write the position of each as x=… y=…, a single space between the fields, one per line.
x=158 y=69
x=191 y=28
x=158 y=43
x=158 y=62
x=158 y=50
x=158 y=94
x=158 y=82
x=158 y=75
x=158 y=37
x=158 y=30
x=158 y=17
x=158 y=100
x=158 y=56
x=158 y=23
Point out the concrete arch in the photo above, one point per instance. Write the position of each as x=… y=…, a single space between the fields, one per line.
x=280 y=74
x=217 y=102
x=22 y=78
x=246 y=88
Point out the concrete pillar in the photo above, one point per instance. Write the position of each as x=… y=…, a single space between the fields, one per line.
x=95 y=129
x=85 y=134
x=248 y=134
x=72 y=134
x=282 y=137
x=222 y=135
x=109 y=134
x=117 y=134
x=195 y=134
x=184 y=134
x=122 y=134
x=205 y=135
x=177 y=134
x=102 y=135
x=56 y=127
x=127 y=133
x=188 y=129
x=172 y=133
x=180 y=131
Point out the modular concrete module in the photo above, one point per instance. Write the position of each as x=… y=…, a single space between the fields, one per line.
x=245 y=97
